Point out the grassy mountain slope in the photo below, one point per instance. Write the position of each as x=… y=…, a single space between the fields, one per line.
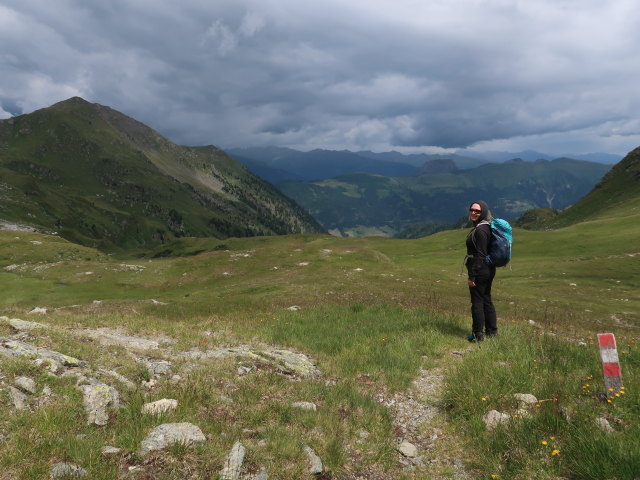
x=390 y=204
x=375 y=314
x=618 y=194
x=101 y=178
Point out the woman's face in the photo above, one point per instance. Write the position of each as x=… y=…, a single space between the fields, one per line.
x=474 y=212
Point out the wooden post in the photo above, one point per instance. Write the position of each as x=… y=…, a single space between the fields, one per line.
x=610 y=363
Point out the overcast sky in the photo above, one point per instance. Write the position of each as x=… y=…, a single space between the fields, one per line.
x=557 y=76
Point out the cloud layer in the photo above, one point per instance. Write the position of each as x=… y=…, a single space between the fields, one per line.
x=555 y=75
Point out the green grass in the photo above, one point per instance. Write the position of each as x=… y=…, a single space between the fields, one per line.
x=559 y=434
x=374 y=311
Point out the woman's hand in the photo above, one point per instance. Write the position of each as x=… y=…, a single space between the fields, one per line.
x=471 y=283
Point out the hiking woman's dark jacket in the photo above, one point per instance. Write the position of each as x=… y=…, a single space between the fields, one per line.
x=477 y=248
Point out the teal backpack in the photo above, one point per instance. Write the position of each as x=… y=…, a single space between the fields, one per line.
x=500 y=244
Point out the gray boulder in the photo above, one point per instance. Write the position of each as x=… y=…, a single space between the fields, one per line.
x=170 y=433
x=98 y=397
x=494 y=418
x=67 y=470
x=233 y=463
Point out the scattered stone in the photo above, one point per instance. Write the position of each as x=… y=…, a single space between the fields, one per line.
x=26 y=384
x=525 y=400
x=285 y=361
x=18 y=399
x=51 y=365
x=169 y=433
x=244 y=371
x=408 y=449
x=315 y=463
x=107 y=336
x=98 y=397
x=15 y=348
x=604 y=425
x=294 y=308
x=149 y=384
x=108 y=450
x=22 y=325
x=261 y=476
x=494 y=418
x=233 y=463
x=39 y=311
x=67 y=470
x=156 y=302
x=156 y=367
x=305 y=406
x=161 y=406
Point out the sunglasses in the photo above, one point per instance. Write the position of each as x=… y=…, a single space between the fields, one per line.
x=474 y=210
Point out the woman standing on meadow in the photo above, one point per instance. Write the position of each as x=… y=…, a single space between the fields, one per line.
x=480 y=275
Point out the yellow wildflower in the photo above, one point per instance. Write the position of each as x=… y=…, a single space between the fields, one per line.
x=555 y=452
x=544 y=442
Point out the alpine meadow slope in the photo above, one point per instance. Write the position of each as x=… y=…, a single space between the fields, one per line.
x=100 y=178
x=364 y=204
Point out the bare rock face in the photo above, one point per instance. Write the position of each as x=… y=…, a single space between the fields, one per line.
x=169 y=433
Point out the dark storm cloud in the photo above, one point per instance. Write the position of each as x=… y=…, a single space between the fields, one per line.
x=360 y=74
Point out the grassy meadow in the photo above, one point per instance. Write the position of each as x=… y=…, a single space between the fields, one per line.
x=373 y=313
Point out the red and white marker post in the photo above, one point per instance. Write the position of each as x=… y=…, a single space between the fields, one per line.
x=610 y=363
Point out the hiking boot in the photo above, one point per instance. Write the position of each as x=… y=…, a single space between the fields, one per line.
x=476 y=337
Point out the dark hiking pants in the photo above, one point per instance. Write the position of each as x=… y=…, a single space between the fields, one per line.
x=483 y=312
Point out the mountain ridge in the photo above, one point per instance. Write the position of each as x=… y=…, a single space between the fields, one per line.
x=101 y=178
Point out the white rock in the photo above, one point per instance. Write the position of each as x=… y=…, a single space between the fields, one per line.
x=160 y=406
x=604 y=425
x=26 y=384
x=494 y=418
x=408 y=449
x=24 y=325
x=67 y=470
x=233 y=463
x=315 y=463
x=305 y=406
x=39 y=310
x=294 y=308
x=170 y=433
x=525 y=399
x=108 y=450
x=18 y=399
x=98 y=397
